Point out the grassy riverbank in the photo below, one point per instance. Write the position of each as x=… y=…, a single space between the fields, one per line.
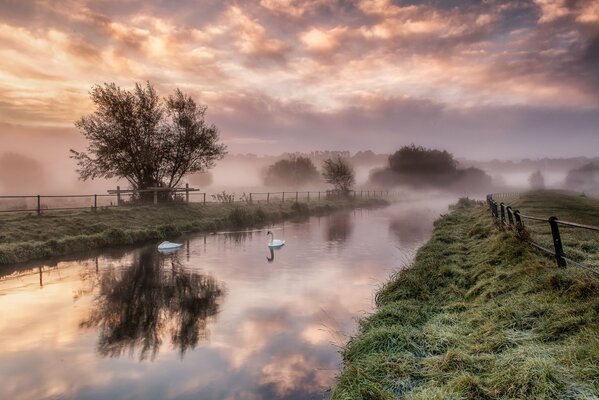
x=26 y=237
x=479 y=315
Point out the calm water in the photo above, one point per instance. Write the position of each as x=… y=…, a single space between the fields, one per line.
x=222 y=318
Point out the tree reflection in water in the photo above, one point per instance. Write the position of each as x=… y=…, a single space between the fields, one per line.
x=339 y=227
x=155 y=297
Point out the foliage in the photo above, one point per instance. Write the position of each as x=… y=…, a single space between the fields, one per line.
x=241 y=217
x=418 y=160
x=419 y=167
x=295 y=171
x=338 y=172
x=148 y=141
x=464 y=202
x=300 y=208
x=223 y=197
x=536 y=180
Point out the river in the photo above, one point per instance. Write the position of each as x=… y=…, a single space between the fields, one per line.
x=222 y=318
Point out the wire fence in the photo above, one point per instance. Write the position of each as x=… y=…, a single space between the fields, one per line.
x=550 y=235
x=160 y=196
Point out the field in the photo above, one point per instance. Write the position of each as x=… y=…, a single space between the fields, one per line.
x=481 y=315
x=26 y=237
x=579 y=244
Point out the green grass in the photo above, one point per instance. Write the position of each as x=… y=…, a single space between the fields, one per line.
x=26 y=237
x=579 y=244
x=479 y=315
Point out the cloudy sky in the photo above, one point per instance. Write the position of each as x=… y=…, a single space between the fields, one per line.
x=488 y=78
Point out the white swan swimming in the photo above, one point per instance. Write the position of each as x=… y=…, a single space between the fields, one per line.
x=274 y=243
x=168 y=246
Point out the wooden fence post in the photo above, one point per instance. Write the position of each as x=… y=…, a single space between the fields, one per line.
x=283 y=197
x=95 y=202
x=187 y=193
x=296 y=197
x=510 y=216
x=204 y=198
x=118 y=196
x=557 y=243
x=267 y=197
x=39 y=204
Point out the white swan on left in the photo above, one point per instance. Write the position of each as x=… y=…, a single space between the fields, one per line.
x=169 y=246
x=274 y=243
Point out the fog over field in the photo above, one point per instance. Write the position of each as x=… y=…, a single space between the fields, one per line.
x=42 y=165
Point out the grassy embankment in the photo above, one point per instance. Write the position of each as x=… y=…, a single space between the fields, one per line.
x=481 y=315
x=26 y=237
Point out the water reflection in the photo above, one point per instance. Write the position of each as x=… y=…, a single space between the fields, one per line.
x=339 y=227
x=277 y=335
x=411 y=226
x=139 y=305
x=271 y=257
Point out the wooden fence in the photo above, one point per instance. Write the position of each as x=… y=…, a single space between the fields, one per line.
x=508 y=218
x=125 y=197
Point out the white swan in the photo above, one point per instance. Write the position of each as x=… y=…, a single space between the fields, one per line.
x=274 y=243
x=167 y=246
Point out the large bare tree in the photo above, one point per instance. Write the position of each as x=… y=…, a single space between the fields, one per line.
x=149 y=141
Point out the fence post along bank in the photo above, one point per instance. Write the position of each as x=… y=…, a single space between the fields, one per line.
x=508 y=218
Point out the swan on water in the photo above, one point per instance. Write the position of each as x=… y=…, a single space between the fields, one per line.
x=166 y=246
x=274 y=243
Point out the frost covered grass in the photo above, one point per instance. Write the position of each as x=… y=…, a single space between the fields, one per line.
x=479 y=315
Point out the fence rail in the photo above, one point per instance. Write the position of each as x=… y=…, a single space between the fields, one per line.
x=509 y=218
x=118 y=197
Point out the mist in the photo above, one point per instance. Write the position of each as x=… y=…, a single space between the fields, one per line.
x=34 y=161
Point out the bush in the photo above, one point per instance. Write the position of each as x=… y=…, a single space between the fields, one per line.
x=464 y=202
x=419 y=167
x=300 y=208
x=418 y=160
x=259 y=216
x=295 y=171
x=241 y=217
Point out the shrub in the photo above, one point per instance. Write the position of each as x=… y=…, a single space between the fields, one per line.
x=240 y=217
x=295 y=171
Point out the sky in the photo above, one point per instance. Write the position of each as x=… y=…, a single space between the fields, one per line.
x=482 y=79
